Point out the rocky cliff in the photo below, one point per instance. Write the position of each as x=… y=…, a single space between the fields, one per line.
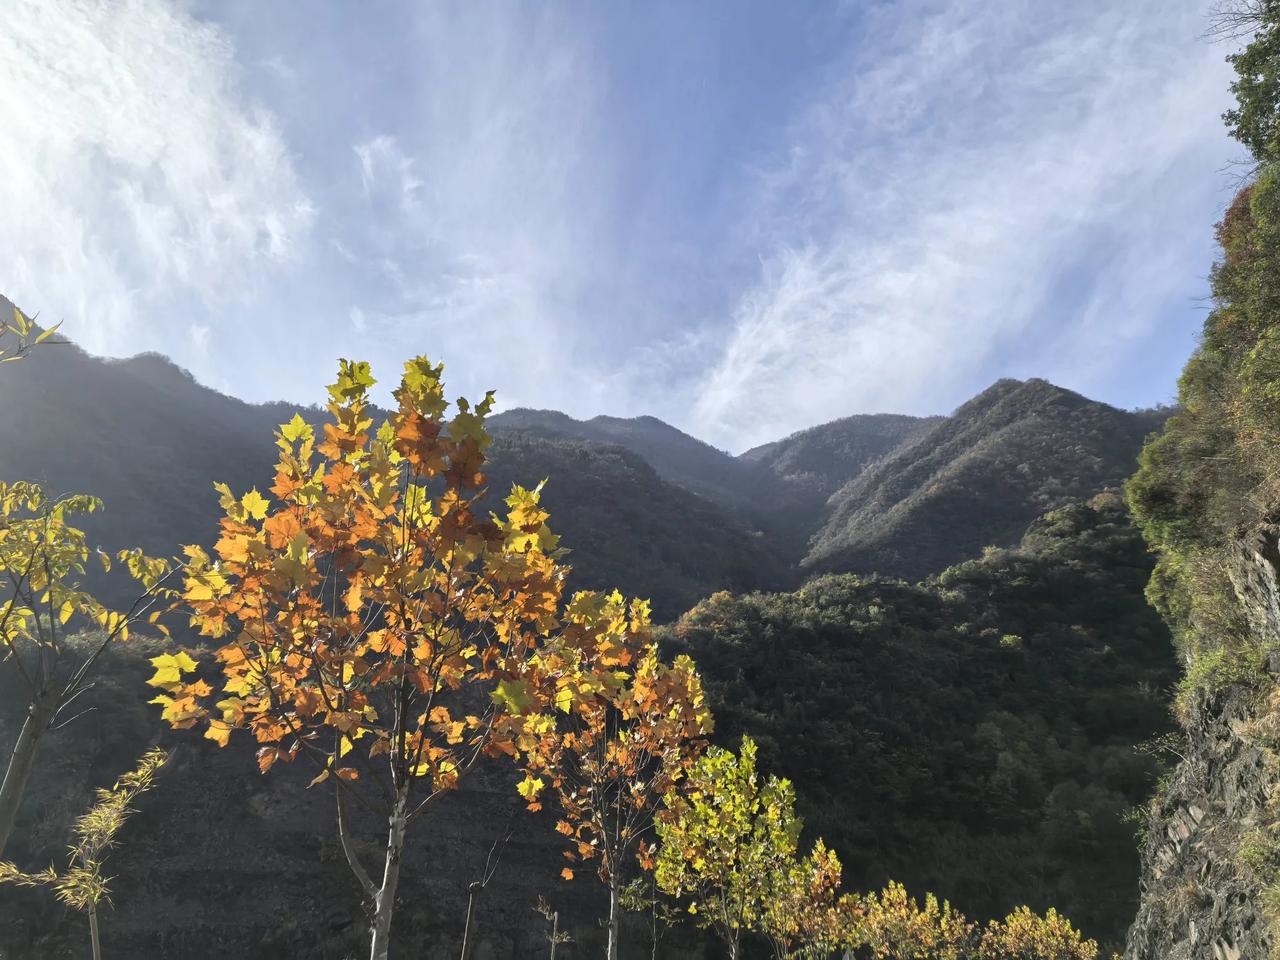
x=1209 y=863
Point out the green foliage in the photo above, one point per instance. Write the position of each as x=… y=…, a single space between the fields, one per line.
x=722 y=838
x=927 y=748
x=1218 y=668
x=1213 y=474
x=1255 y=120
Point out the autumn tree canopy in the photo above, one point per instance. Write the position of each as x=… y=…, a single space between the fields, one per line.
x=625 y=728
x=370 y=615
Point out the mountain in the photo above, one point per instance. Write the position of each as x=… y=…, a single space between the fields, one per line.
x=647 y=507
x=973 y=734
x=149 y=440
x=627 y=527
x=976 y=478
x=676 y=456
x=822 y=459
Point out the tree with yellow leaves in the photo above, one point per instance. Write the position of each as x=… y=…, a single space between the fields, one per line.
x=43 y=559
x=1024 y=935
x=82 y=885
x=723 y=838
x=371 y=617
x=801 y=917
x=892 y=925
x=626 y=726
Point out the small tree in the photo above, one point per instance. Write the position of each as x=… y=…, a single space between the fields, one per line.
x=801 y=918
x=625 y=728
x=372 y=619
x=82 y=885
x=1024 y=935
x=1255 y=120
x=641 y=895
x=555 y=936
x=42 y=561
x=722 y=839
x=892 y=925
x=476 y=888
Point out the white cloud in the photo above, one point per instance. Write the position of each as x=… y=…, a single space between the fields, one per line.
x=483 y=222
x=381 y=159
x=959 y=194
x=136 y=180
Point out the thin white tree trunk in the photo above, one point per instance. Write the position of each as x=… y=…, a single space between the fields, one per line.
x=384 y=902
x=614 y=911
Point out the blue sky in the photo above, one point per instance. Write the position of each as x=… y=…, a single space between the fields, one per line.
x=742 y=217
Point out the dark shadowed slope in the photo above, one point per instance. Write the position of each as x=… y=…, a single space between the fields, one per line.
x=675 y=455
x=150 y=441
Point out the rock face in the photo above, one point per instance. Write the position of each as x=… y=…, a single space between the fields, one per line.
x=1202 y=895
x=1197 y=899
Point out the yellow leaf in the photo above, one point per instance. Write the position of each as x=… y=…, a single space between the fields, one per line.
x=530 y=787
x=255 y=505
x=218 y=732
x=296 y=429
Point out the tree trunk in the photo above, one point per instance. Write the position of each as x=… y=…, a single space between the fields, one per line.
x=21 y=763
x=614 y=911
x=555 y=933
x=733 y=947
x=384 y=903
x=468 y=934
x=93 y=933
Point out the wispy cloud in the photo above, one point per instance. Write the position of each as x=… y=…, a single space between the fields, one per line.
x=136 y=178
x=495 y=231
x=738 y=218
x=983 y=187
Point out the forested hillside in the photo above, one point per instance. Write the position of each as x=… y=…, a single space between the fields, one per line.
x=974 y=734
x=821 y=459
x=977 y=478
